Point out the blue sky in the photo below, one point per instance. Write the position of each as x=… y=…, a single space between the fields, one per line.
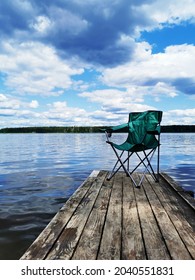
x=91 y=62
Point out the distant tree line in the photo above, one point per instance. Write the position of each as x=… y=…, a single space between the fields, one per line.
x=51 y=129
x=177 y=128
x=88 y=129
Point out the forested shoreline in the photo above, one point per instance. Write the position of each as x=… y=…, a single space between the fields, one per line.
x=89 y=129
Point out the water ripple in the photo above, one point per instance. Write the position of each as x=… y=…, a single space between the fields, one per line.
x=39 y=172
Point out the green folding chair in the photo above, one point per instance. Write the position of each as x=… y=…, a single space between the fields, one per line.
x=143 y=140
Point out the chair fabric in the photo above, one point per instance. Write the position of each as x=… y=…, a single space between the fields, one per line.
x=142 y=129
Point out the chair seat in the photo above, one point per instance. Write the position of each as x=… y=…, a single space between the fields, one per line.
x=126 y=146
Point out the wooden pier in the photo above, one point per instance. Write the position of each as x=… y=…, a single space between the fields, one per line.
x=112 y=220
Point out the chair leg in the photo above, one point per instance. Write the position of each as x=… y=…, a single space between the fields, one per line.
x=129 y=155
x=141 y=160
x=119 y=160
x=122 y=165
x=148 y=166
x=158 y=161
x=113 y=172
x=146 y=161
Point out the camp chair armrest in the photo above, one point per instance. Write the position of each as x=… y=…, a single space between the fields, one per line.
x=119 y=128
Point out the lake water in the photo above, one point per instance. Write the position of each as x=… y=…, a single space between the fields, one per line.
x=39 y=172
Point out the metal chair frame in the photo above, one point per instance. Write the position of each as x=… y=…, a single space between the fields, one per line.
x=145 y=160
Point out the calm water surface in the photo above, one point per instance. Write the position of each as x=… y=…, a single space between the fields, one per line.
x=39 y=172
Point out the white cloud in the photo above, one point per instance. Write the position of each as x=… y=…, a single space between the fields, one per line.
x=8 y=102
x=112 y=97
x=33 y=68
x=41 y=24
x=169 y=12
x=182 y=117
x=66 y=115
x=118 y=101
x=67 y=21
x=34 y=104
x=60 y=113
x=15 y=112
x=3 y=98
x=147 y=75
x=156 y=71
x=183 y=113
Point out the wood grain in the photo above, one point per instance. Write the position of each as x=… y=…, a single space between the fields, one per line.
x=110 y=247
x=113 y=220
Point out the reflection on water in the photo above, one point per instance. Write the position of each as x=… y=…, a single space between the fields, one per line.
x=39 y=172
x=178 y=158
x=185 y=175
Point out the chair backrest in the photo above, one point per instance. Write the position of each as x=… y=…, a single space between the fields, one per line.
x=140 y=123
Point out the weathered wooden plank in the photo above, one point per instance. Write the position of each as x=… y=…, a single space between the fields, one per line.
x=88 y=245
x=67 y=241
x=113 y=220
x=132 y=241
x=190 y=200
x=94 y=173
x=177 y=212
x=154 y=244
x=44 y=242
x=110 y=247
x=185 y=209
x=174 y=243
